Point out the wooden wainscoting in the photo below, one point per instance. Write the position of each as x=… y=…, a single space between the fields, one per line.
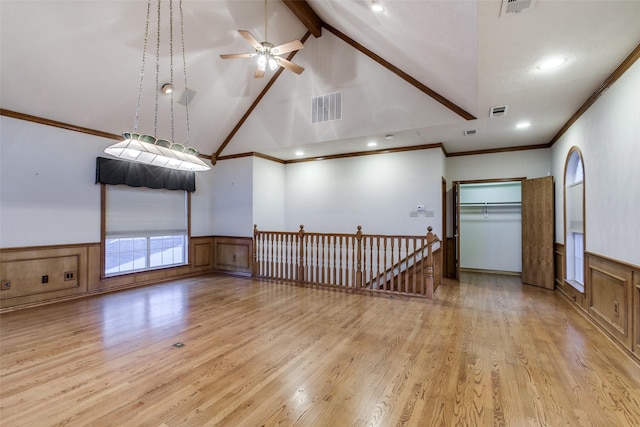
x=34 y=274
x=574 y=295
x=74 y=271
x=232 y=254
x=611 y=297
x=636 y=313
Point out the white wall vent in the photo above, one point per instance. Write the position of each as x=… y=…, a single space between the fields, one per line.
x=470 y=132
x=326 y=108
x=516 y=6
x=499 y=111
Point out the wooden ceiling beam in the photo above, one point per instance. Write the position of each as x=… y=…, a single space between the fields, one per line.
x=309 y=18
x=406 y=77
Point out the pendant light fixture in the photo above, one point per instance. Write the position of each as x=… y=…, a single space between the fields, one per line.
x=149 y=149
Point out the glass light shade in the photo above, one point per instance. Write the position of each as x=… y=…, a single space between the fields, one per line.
x=273 y=64
x=262 y=62
x=157 y=152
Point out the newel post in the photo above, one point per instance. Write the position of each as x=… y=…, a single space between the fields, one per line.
x=256 y=265
x=431 y=238
x=300 y=265
x=359 y=258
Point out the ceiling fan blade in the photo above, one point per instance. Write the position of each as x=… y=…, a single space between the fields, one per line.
x=289 y=65
x=237 y=55
x=249 y=37
x=259 y=73
x=287 y=47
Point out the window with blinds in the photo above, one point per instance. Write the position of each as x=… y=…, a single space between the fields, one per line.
x=144 y=229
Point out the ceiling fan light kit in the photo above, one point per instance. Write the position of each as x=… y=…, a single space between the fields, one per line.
x=268 y=53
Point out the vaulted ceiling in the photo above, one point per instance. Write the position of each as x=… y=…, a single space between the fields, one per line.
x=423 y=71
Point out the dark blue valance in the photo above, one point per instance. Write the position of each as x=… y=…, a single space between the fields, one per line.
x=111 y=171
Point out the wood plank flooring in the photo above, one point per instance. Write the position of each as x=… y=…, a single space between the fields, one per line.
x=485 y=352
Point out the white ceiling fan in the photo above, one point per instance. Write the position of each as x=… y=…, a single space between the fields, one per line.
x=267 y=53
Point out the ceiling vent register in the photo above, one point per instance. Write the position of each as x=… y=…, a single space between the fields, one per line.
x=326 y=108
x=499 y=111
x=516 y=6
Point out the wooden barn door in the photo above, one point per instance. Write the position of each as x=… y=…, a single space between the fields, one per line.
x=538 y=232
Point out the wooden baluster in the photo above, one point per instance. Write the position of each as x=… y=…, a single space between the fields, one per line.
x=414 y=274
x=359 y=258
x=254 y=267
x=301 y=239
x=335 y=261
x=423 y=263
x=406 y=266
x=371 y=240
x=385 y=285
x=392 y=277
x=340 y=255
x=364 y=260
x=289 y=257
x=280 y=261
x=323 y=259
x=282 y=258
x=377 y=263
x=430 y=239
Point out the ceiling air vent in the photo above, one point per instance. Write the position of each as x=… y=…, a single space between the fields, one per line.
x=470 y=132
x=499 y=111
x=326 y=108
x=187 y=97
x=516 y=6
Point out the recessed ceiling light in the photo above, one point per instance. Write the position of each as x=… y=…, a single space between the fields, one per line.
x=377 y=7
x=551 y=63
x=523 y=125
x=167 y=88
x=299 y=153
x=372 y=144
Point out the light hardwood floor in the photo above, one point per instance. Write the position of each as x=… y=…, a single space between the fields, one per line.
x=487 y=351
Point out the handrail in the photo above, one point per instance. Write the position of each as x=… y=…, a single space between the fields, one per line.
x=376 y=263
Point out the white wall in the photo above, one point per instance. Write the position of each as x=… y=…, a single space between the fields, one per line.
x=48 y=194
x=202 y=220
x=376 y=191
x=232 y=206
x=268 y=194
x=608 y=135
x=511 y=164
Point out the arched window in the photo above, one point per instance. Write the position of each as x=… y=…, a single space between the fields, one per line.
x=574 y=219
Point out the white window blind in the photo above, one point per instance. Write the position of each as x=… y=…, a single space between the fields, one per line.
x=132 y=211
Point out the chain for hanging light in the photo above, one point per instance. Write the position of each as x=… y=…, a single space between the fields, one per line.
x=149 y=149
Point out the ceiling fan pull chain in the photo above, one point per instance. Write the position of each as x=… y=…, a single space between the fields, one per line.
x=265 y=21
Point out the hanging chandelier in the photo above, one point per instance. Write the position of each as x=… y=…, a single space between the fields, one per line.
x=149 y=149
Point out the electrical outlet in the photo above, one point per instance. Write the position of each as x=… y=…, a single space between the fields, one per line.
x=69 y=275
x=45 y=279
x=6 y=285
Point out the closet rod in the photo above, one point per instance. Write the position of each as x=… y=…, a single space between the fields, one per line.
x=492 y=204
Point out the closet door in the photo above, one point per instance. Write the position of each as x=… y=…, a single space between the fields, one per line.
x=456 y=228
x=537 y=232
